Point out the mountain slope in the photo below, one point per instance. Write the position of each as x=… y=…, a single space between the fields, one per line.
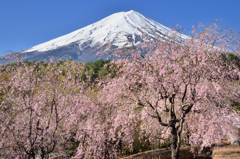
x=117 y=29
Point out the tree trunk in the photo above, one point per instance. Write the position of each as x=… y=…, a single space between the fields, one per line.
x=31 y=155
x=42 y=156
x=174 y=143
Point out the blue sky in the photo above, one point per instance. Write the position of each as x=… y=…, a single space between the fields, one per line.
x=26 y=23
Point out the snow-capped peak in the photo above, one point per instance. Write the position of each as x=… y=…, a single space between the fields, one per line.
x=115 y=28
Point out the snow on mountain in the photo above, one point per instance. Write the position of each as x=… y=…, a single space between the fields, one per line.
x=116 y=29
x=119 y=30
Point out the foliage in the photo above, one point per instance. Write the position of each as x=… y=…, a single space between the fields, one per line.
x=231 y=59
x=96 y=69
x=179 y=91
x=36 y=107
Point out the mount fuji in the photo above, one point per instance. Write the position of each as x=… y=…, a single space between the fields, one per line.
x=117 y=29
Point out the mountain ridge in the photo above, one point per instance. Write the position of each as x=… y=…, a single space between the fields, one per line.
x=117 y=29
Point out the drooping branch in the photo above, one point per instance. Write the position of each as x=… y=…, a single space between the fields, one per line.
x=157 y=115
